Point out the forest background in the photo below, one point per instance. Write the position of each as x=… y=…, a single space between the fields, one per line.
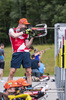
x=49 y=12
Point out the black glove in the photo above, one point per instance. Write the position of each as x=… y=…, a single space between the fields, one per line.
x=28 y=31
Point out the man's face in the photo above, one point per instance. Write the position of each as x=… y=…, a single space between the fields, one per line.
x=23 y=26
x=12 y=91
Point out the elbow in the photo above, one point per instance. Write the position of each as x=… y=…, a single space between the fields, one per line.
x=13 y=36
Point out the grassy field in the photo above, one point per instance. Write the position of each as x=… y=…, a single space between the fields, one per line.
x=47 y=59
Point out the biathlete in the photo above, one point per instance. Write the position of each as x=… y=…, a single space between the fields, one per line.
x=19 y=37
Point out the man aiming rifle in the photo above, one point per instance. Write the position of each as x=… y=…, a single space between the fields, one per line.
x=19 y=37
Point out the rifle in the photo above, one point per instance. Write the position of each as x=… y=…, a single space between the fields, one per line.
x=42 y=51
x=40 y=28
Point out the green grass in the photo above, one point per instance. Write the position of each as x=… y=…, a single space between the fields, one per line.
x=47 y=59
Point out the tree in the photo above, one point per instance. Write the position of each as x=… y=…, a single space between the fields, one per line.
x=4 y=19
x=36 y=11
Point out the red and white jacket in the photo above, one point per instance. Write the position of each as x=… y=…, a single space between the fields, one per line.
x=18 y=44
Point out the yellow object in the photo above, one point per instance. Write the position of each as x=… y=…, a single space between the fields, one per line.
x=58 y=60
x=18 y=91
x=26 y=96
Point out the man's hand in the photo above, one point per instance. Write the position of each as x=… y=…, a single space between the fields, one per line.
x=28 y=31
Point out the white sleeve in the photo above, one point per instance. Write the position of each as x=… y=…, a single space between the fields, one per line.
x=11 y=30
